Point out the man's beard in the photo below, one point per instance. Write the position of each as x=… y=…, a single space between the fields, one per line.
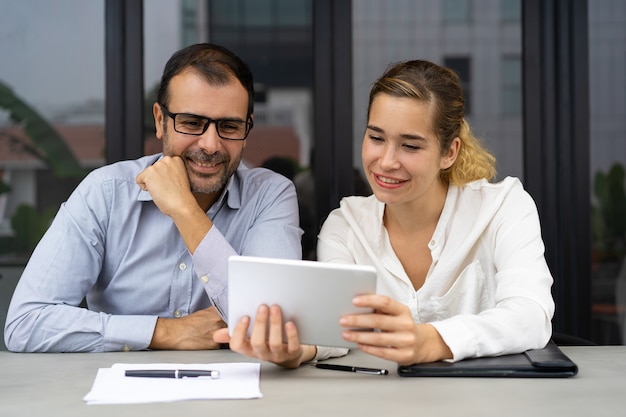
x=210 y=183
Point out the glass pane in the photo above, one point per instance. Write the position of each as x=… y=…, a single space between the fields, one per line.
x=275 y=38
x=258 y=13
x=456 y=11
x=52 y=67
x=607 y=60
x=511 y=10
x=294 y=13
x=511 y=85
x=167 y=26
x=225 y=11
x=462 y=66
x=52 y=88
x=387 y=32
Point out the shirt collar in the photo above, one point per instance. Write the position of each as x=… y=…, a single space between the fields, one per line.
x=232 y=191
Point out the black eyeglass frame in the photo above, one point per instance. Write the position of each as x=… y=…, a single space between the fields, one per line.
x=249 y=123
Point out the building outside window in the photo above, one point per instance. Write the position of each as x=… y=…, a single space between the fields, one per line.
x=456 y=11
x=462 y=66
x=607 y=75
x=511 y=88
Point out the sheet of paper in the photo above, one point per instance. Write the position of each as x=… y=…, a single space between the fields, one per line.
x=236 y=381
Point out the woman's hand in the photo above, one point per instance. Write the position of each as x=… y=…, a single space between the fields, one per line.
x=266 y=339
x=397 y=336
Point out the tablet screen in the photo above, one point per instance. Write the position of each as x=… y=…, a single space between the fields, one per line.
x=314 y=295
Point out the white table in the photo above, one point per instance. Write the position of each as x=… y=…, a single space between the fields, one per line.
x=54 y=385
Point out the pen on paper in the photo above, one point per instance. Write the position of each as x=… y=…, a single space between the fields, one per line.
x=357 y=369
x=172 y=373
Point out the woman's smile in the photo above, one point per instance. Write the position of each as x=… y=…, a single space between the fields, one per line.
x=388 y=182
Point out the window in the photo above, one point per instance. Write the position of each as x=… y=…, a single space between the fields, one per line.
x=53 y=63
x=607 y=82
x=189 y=13
x=273 y=36
x=511 y=10
x=456 y=11
x=511 y=76
x=461 y=65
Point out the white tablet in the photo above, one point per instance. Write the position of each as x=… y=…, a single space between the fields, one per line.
x=314 y=295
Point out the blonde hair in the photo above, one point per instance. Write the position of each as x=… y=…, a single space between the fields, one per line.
x=428 y=82
x=473 y=162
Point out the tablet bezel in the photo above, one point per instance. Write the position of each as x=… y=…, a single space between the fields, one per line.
x=314 y=295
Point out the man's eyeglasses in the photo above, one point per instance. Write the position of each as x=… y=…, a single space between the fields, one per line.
x=191 y=124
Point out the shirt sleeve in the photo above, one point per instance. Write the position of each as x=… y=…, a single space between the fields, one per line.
x=327 y=352
x=45 y=313
x=268 y=226
x=521 y=317
x=333 y=247
x=333 y=241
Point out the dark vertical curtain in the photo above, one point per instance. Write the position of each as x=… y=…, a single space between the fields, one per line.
x=124 y=79
x=332 y=52
x=556 y=149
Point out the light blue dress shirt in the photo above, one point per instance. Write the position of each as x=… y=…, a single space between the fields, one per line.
x=111 y=245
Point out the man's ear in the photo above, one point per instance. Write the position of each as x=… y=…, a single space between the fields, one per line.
x=245 y=142
x=158 y=120
x=453 y=152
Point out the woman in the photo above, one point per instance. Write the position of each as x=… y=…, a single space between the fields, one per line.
x=460 y=260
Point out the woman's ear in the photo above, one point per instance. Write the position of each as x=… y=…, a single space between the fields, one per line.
x=453 y=152
x=158 y=120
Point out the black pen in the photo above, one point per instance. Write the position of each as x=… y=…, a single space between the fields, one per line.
x=173 y=373
x=357 y=369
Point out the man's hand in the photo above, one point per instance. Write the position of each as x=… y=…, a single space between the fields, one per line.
x=192 y=332
x=167 y=182
x=268 y=321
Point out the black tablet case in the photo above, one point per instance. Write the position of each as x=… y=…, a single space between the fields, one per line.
x=549 y=362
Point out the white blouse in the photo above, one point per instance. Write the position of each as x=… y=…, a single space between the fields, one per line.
x=488 y=289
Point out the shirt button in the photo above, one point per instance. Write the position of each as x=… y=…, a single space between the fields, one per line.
x=432 y=243
x=182 y=266
x=204 y=279
x=126 y=348
x=177 y=314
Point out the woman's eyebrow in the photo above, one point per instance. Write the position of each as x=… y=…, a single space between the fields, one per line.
x=409 y=136
x=375 y=128
x=413 y=137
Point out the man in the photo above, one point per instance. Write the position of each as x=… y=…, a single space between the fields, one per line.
x=146 y=242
